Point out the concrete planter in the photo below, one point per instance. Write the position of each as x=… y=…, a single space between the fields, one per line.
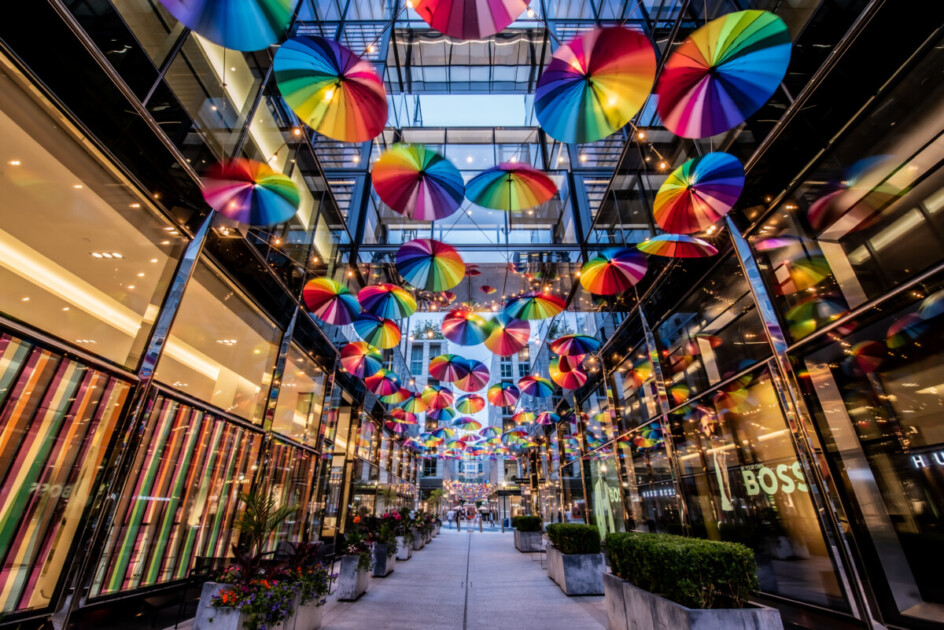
x=419 y=541
x=428 y=537
x=526 y=542
x=308 y=616
x=576 y=573
x=404 y=550
x=210 y=618
x=437 y=529
x=629 y=607
x=383 y=564
x=352 y=581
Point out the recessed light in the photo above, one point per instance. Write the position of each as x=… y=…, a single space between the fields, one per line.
x=14 y=162
x=135 y=205
x=116 y=255
x=130 y=286
x=26 y=299
x=154 y=260
x=96 y=255
x=165 y=242
x=65 y=308
x=141 y=275
x=78 y=186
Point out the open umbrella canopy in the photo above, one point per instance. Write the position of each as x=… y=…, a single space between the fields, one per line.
x=244 y=25
x=537 y=386
x=677 y=246
x=812 y=313
x=532 y=305
x=932 y=306
x=448 y=367
x=387 y=300
x=487 y=289
x=437 y=397
x=443 y=414
x=524 y=416
x=360 y=359
x=699 y=193
x=469 y=19
x=476 y=378
x=430 y=265
x=566 y=372
x=510 y=186
x=595 y=84
x=503 y=394
x=467 y=424
x=250 y=192
x=417 y=182
x=443 y=433
x=383 y=382
x=331 y=301
x=403 y=417
x=547 y=418
x=413 y=404
x=575 y=345
x=613 y=271
x=331 y=89
x=377 y=331
x=470 y=403
x=464 y=327
x=905 y=331
x=396 y=427
x=507 y=335
x=396 y=397
x=804 y=272
x=722 y=73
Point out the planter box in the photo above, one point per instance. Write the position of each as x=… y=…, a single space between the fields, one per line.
x=436 y=529
x=629 y=607
x=404 y=551
x=308 y=616
x=526 y=542
x=352 y=581
x=418 y=540
x=210 y=618
x=576 y=573
x=428 y=537
x=383 y=564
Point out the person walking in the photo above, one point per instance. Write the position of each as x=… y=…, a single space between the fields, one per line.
x=459 y=520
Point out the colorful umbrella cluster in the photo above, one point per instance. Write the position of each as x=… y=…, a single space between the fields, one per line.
x=510 y=186
x=448 y=367
x=250 y=192
x=244 y=25
x=430 y=265
x=613 y=271
x=418 y=182
x=699 y=193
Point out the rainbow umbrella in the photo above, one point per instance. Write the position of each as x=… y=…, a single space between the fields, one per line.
x=595 y=84
x=487 y=289
x=464 y=327
x=443 y=433
x=812 y=313
x=905 y=330
x=575 y=345
x=503 y=394
x=469 y=19
x=250 y=192
x=418 y=182
x=804 y=272
x=613 y=271
x=397 y=397
x=650 y=436
x=513 y=436
x=534 y=305
x=510 y=186
x=244 y=25
x=437 y=397
x=865 y=188
x=699 y=193
x=535 y=386
x=413 y=404
x=387 y=300
x=525 y=416
x=470 y=403
x=377 y=331
x=383 y=382
x=360 y=359
x=331 y=301
x=441 y=415
x=403 y=417
x=677 y=246
x=547 y=418
x=490 y=432
x=448 y=367
x=722 y=73
x=866 y=356
x=678 y=393
x=331 y=89
x=566 y=372
x=932 y=306
x=467 y=424
x=430 y=265
x=776 y=242
x=507 y=335
x=472 y=270
x=641 y=372
x=476 y=378
x=396 y=427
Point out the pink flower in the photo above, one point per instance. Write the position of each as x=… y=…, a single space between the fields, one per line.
x=397 y=516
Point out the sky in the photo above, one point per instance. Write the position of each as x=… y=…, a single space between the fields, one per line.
x=474 y=110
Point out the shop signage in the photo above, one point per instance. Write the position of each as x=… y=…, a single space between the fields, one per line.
x=781 y=478
x=935 y=459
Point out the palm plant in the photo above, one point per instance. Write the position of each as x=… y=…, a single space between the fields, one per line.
x=261 y=518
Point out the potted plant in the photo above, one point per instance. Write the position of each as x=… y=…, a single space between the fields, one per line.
x=384 y=539
x=404 y=535
x=312 y=583
x=660 y=581
x=435 y=503
x=574 y=559
x=527 y=533
x=419 y=537
x=355 y=564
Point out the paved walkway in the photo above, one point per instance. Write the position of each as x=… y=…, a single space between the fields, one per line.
x=466 y=581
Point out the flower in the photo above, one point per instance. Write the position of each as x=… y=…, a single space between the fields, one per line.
x=357 y=519
x=396 y=516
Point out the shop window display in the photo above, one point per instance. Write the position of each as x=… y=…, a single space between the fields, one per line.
x=291 y=477
x=298 y=411
x=648 y=483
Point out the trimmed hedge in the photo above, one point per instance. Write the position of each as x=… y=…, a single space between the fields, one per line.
x=526 y=523
x=693 y=572
x=574 y=537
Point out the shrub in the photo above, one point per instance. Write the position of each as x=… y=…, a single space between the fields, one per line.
x=526 y=523
x=693 y=572
x=574 y=537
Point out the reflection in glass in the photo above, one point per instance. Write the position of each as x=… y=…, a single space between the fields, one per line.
x=291 y=477
x=301 y=398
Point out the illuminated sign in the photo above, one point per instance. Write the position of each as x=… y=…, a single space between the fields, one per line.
x=926 y=461
x=782 y=478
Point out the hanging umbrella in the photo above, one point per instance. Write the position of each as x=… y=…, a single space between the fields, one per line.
x=383 y=382
x=649 y=437
x=487 y=290
x=513 y=436
x=722 y=73
x=396 y=427
x=567 y=373
x=437 y=397
x=476 y=378
x=575 y=345
x=443 y=433
x=331 y=89
x=865 y=188
x=472 y=270
x=510 y=186
x=464 y=327
x=387 y=300
x=377 y=331
x=613 y=271
x=403 y=417
x=678 y=393
x=804 y=272
x=417 y=182
x=470 y=403
x=469 y=19
x=448 y=367
x=331 y=301
x=503 y=394
x=698 y=193
x=413 y=404
x=250 y=192
x=905 y=330
x=441 y=415
x=525 y=416
x=396 y=397
x=932 y=306
x=535 y=305
x=244 y=25
x=547 y=418
x=507 y=335
x=360 y=359
x=595 y=84
x=812 y=313
x=490 y=432
x=467 y=424
x=677 y=246
x=430 y=265
x=537 y=386
x=776 y=242
x=866 y=357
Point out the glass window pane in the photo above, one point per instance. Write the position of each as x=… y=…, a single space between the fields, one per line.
x=301 y=398
x=292 y=479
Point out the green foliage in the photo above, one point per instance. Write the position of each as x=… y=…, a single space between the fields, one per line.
x=527 y=523
x=264 y=602
x=428 y=329
x=261 y=517
x=693 y=572
x=574 y=537
x=435 y=500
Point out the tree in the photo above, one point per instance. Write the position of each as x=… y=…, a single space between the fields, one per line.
x=428 y=330
x=559 y=328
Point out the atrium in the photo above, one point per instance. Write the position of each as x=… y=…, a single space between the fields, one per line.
x=636 y=295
